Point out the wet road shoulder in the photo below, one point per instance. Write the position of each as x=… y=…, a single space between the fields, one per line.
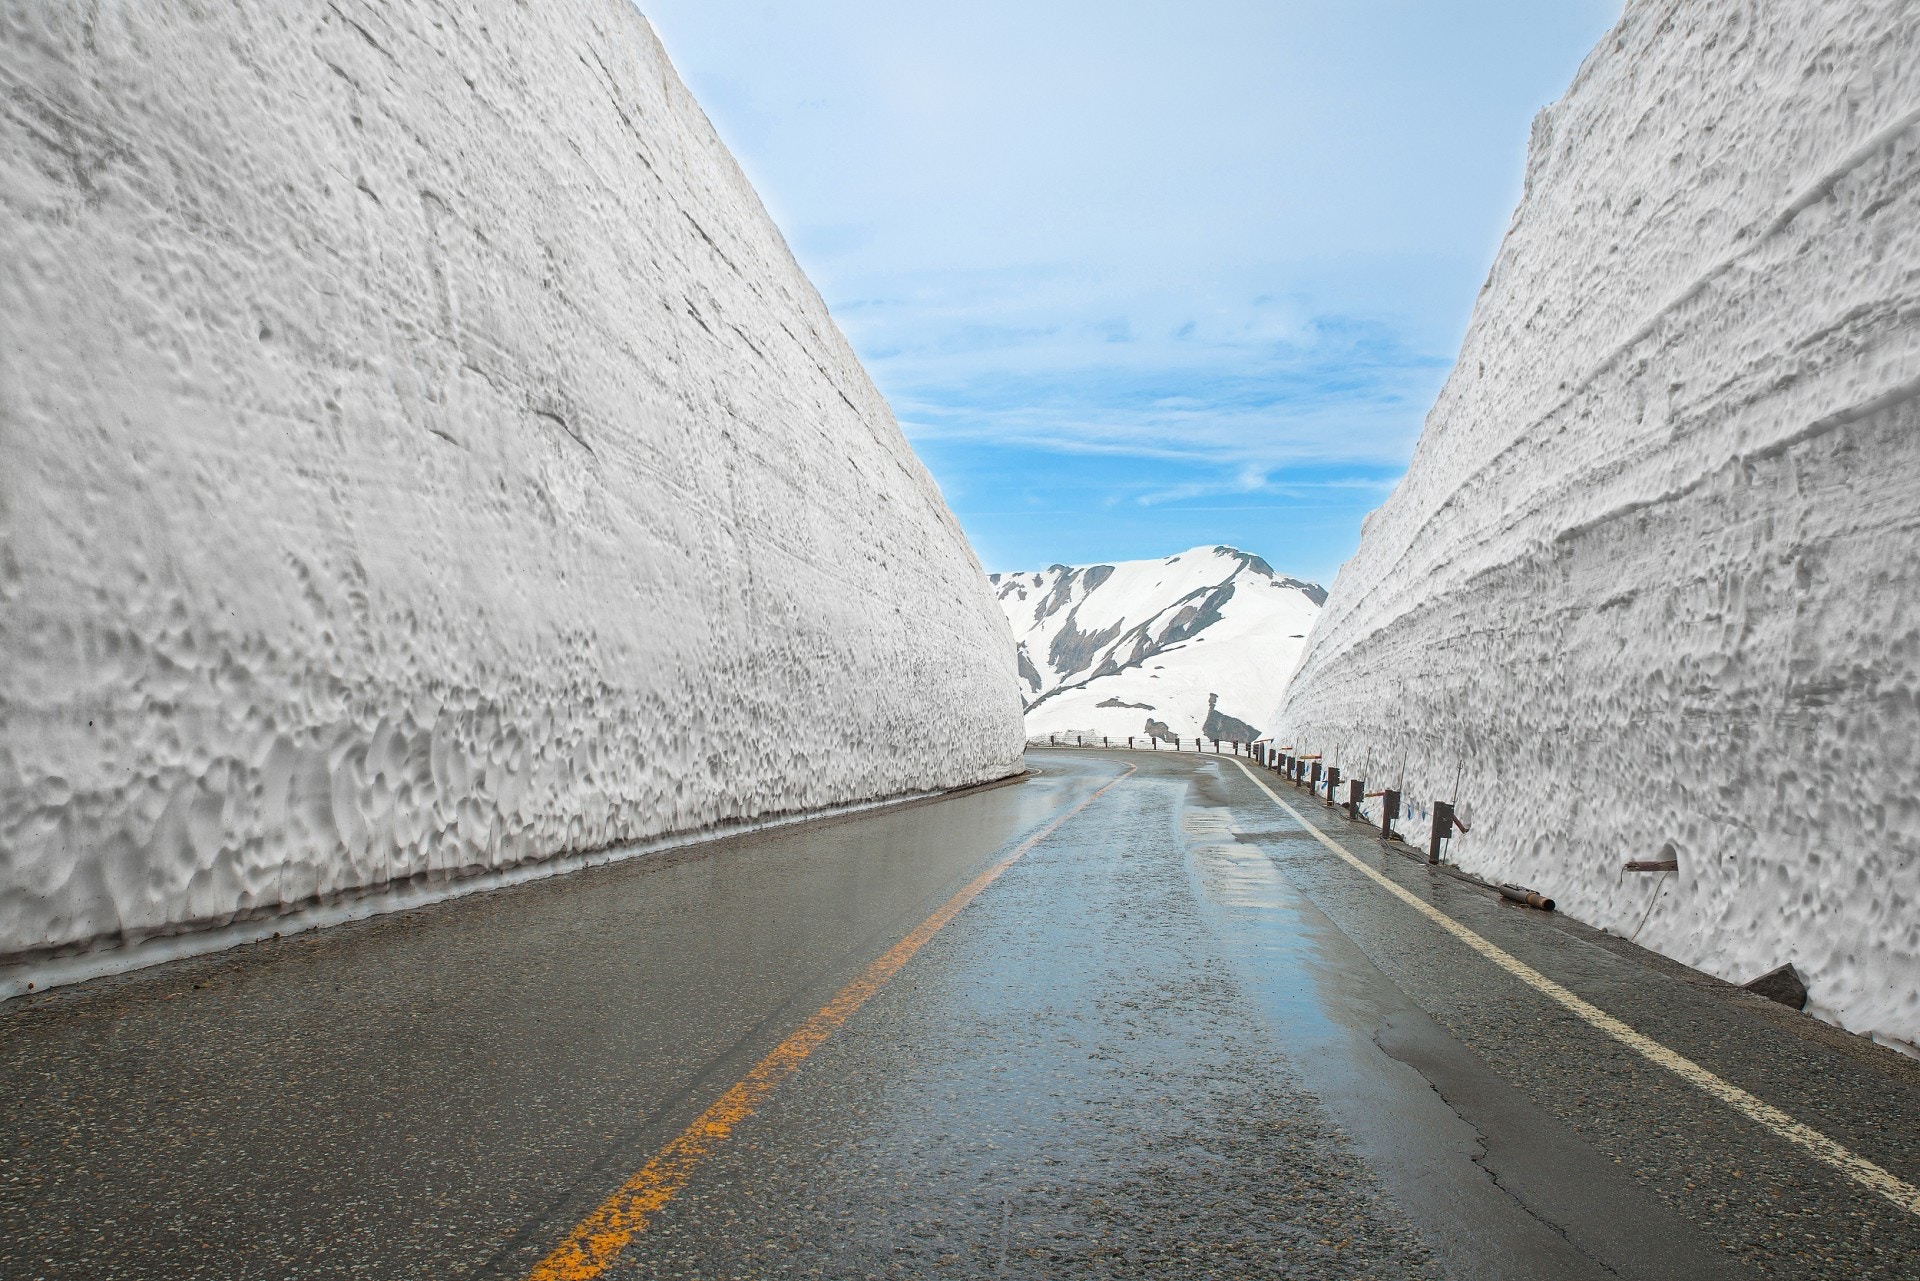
x=1508 y=1057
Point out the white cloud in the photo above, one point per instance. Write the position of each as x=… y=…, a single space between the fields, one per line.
x=1237 y=236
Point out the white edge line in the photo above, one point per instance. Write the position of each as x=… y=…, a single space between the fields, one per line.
x=1856 y=1167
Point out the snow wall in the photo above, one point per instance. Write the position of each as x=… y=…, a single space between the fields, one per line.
x=420 y=454
x=1651 y=587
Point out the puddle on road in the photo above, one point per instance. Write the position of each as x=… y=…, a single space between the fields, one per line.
x=1325 y=1003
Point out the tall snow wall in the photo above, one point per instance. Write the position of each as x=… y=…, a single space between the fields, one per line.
x=419 y=455
x=1651 y=586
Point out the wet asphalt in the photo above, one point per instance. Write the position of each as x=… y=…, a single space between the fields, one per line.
x=1178 y=1038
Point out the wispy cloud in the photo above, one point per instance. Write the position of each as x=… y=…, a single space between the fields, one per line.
x=1136 y=276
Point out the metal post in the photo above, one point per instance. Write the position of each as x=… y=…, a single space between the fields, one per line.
x=1314 y=778
x=1104 y=742
x=1333 y=782
x=1442 y=829
x=1129 y=742
x=1389 y=811
x=1356 y=788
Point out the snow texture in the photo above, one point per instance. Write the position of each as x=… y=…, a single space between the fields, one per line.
x=420 y=455
x=1651 y=587
x=1199 y=643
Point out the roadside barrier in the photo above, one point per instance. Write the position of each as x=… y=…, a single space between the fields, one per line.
x=1233 y=747
x=1323 y=779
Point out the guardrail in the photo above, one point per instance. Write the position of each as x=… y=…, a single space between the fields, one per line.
x=1305 y=771
x=1325 y=782
x=1148 y=742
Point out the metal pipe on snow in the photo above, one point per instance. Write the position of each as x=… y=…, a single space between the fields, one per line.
x=1521 y=894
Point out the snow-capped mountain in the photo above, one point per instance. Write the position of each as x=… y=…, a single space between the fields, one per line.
x=1186 y=645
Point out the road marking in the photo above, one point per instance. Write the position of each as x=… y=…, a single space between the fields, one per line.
x=1858 y=1168
x=597 y=1240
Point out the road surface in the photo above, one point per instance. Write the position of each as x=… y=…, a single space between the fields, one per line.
x=1129 y=1017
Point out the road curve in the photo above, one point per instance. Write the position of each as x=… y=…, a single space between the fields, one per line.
x=1130 y=1017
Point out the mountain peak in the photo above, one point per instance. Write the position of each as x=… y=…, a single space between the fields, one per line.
x=1196 y=642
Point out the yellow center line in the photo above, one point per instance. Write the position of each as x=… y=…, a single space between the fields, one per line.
x=597 y=1240
x=1858 y=1168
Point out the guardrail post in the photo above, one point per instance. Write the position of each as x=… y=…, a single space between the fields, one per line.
x=1389 y=811
x=1333 y=782
x=1442 y=829
x=1129 y=742
x=1314 y=778
x=1104 y=742
x=1356 y=788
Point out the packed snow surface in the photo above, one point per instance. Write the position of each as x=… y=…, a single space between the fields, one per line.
x=1651 y=588
x=1195 y=644
x=419 y=455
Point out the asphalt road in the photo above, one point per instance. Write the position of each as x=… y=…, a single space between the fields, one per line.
x=1177 y=1036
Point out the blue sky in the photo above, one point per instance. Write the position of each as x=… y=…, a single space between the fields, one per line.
x=1141 y=276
